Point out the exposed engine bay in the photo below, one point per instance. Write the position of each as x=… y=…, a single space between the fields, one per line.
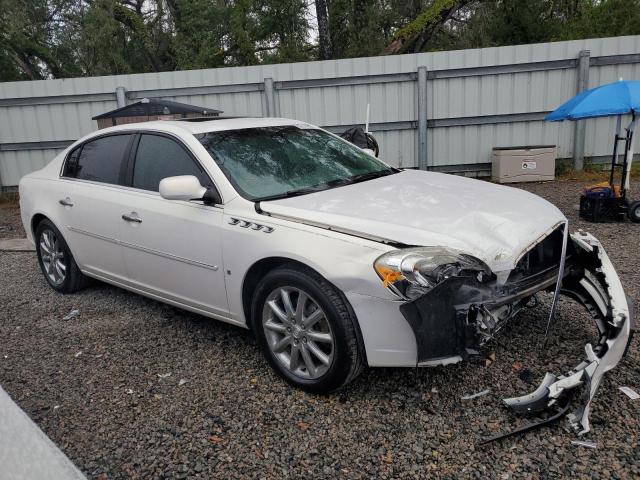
x=456 y=318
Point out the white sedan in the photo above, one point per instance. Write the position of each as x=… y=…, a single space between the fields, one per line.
x=332 y=258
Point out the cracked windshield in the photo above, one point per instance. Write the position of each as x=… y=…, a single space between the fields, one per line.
x=277 y=162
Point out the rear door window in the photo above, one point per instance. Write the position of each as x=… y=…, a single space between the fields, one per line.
x=160 y=157
x=98 y=160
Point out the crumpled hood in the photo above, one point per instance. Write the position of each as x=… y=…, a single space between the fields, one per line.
x=492 y=222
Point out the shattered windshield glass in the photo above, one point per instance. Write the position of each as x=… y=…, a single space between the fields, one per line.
x=276 y=162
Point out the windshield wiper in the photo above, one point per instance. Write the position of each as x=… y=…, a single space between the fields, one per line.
x=363 y=177
x=290 y=193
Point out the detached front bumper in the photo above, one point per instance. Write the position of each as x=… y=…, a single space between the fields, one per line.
x=459 y=316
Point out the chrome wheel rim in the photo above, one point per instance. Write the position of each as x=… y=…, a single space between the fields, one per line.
x=52 y=257
x=298 y=332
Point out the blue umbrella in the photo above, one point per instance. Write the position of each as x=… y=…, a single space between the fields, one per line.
x=616 y=98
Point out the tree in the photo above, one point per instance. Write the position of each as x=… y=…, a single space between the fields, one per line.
x=415 y=35
x=512 y=22
x=28 y=40
x=62 y=38
x=324 y=38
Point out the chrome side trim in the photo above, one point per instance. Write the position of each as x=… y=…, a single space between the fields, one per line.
x=332 y=228
x=169 y=256
x=145 y=249
x=133 y=131
x=94 y=235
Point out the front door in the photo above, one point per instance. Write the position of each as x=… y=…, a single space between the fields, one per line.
x=172 y=249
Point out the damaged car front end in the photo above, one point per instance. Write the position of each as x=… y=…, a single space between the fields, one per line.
x=456 y=305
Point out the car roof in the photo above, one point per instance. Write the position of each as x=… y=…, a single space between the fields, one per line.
x=203 y=126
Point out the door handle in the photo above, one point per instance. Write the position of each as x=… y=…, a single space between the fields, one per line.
x=66 y=202
x=131 y=217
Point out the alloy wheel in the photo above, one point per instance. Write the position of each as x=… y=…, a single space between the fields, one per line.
x=298 y=332
x=52 y=256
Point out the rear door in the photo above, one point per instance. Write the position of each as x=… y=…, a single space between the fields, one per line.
x=172 y=248
x=90 y=203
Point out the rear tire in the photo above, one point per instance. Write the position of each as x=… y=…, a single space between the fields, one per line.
x=634 y=212
x=56 y=261
x=305 y=330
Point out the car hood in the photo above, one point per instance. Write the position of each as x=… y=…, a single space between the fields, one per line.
x=492 y=222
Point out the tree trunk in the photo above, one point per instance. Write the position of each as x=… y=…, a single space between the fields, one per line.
x=324 y=39
x=414 y=36
x=25 y=67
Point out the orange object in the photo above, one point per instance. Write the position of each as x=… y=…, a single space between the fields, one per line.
x=602 y=187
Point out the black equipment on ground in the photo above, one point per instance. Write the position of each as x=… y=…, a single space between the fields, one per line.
x=606 y=202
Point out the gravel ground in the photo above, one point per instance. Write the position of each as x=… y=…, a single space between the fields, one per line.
x=10 y=223
x=133 y=388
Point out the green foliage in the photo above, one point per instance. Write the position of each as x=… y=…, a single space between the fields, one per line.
x=29 y=30
x=64 y=38
x=513 y=22
x=360 y=28
x=200 y=31
x=426 y=19
x=563 y=167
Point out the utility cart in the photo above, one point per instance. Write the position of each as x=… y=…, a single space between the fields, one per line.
x=608 y=201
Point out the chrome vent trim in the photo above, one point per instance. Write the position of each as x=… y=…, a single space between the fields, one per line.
x=247 y=224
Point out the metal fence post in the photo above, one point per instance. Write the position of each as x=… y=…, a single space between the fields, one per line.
x=422 y=118
x=121 y=98
x=580 y=127
x=270 y=97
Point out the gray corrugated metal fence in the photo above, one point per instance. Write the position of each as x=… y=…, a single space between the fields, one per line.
x=441 y=110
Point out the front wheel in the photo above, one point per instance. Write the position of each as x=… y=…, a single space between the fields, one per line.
x=305 y=330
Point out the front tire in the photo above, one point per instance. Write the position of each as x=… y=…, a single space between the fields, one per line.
x=305 y=330
x=56 y=261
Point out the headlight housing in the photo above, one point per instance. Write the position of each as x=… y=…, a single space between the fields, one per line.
x=413 y=272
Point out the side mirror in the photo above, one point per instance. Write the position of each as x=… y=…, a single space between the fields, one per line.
x=187 y=187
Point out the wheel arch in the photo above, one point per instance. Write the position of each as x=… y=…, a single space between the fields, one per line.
x=37 y=218
x=35 y=221
x=260 y=268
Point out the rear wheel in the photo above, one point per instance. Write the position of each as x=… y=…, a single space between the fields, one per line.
x=55 y=259
x=305 y=330
x=634 y=212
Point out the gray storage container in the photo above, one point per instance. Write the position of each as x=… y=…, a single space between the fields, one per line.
x=523 y=164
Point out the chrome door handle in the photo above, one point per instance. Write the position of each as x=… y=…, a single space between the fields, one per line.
x=131 y=217
x=66 y=202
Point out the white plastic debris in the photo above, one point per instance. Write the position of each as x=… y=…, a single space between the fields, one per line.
x=78 y=354
x=129 y=391
x=584 y=443
x=55 y=407
x=72 y=314
x=164 y=375
x=475 y=395
x=630 y=392
x=182 y=382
